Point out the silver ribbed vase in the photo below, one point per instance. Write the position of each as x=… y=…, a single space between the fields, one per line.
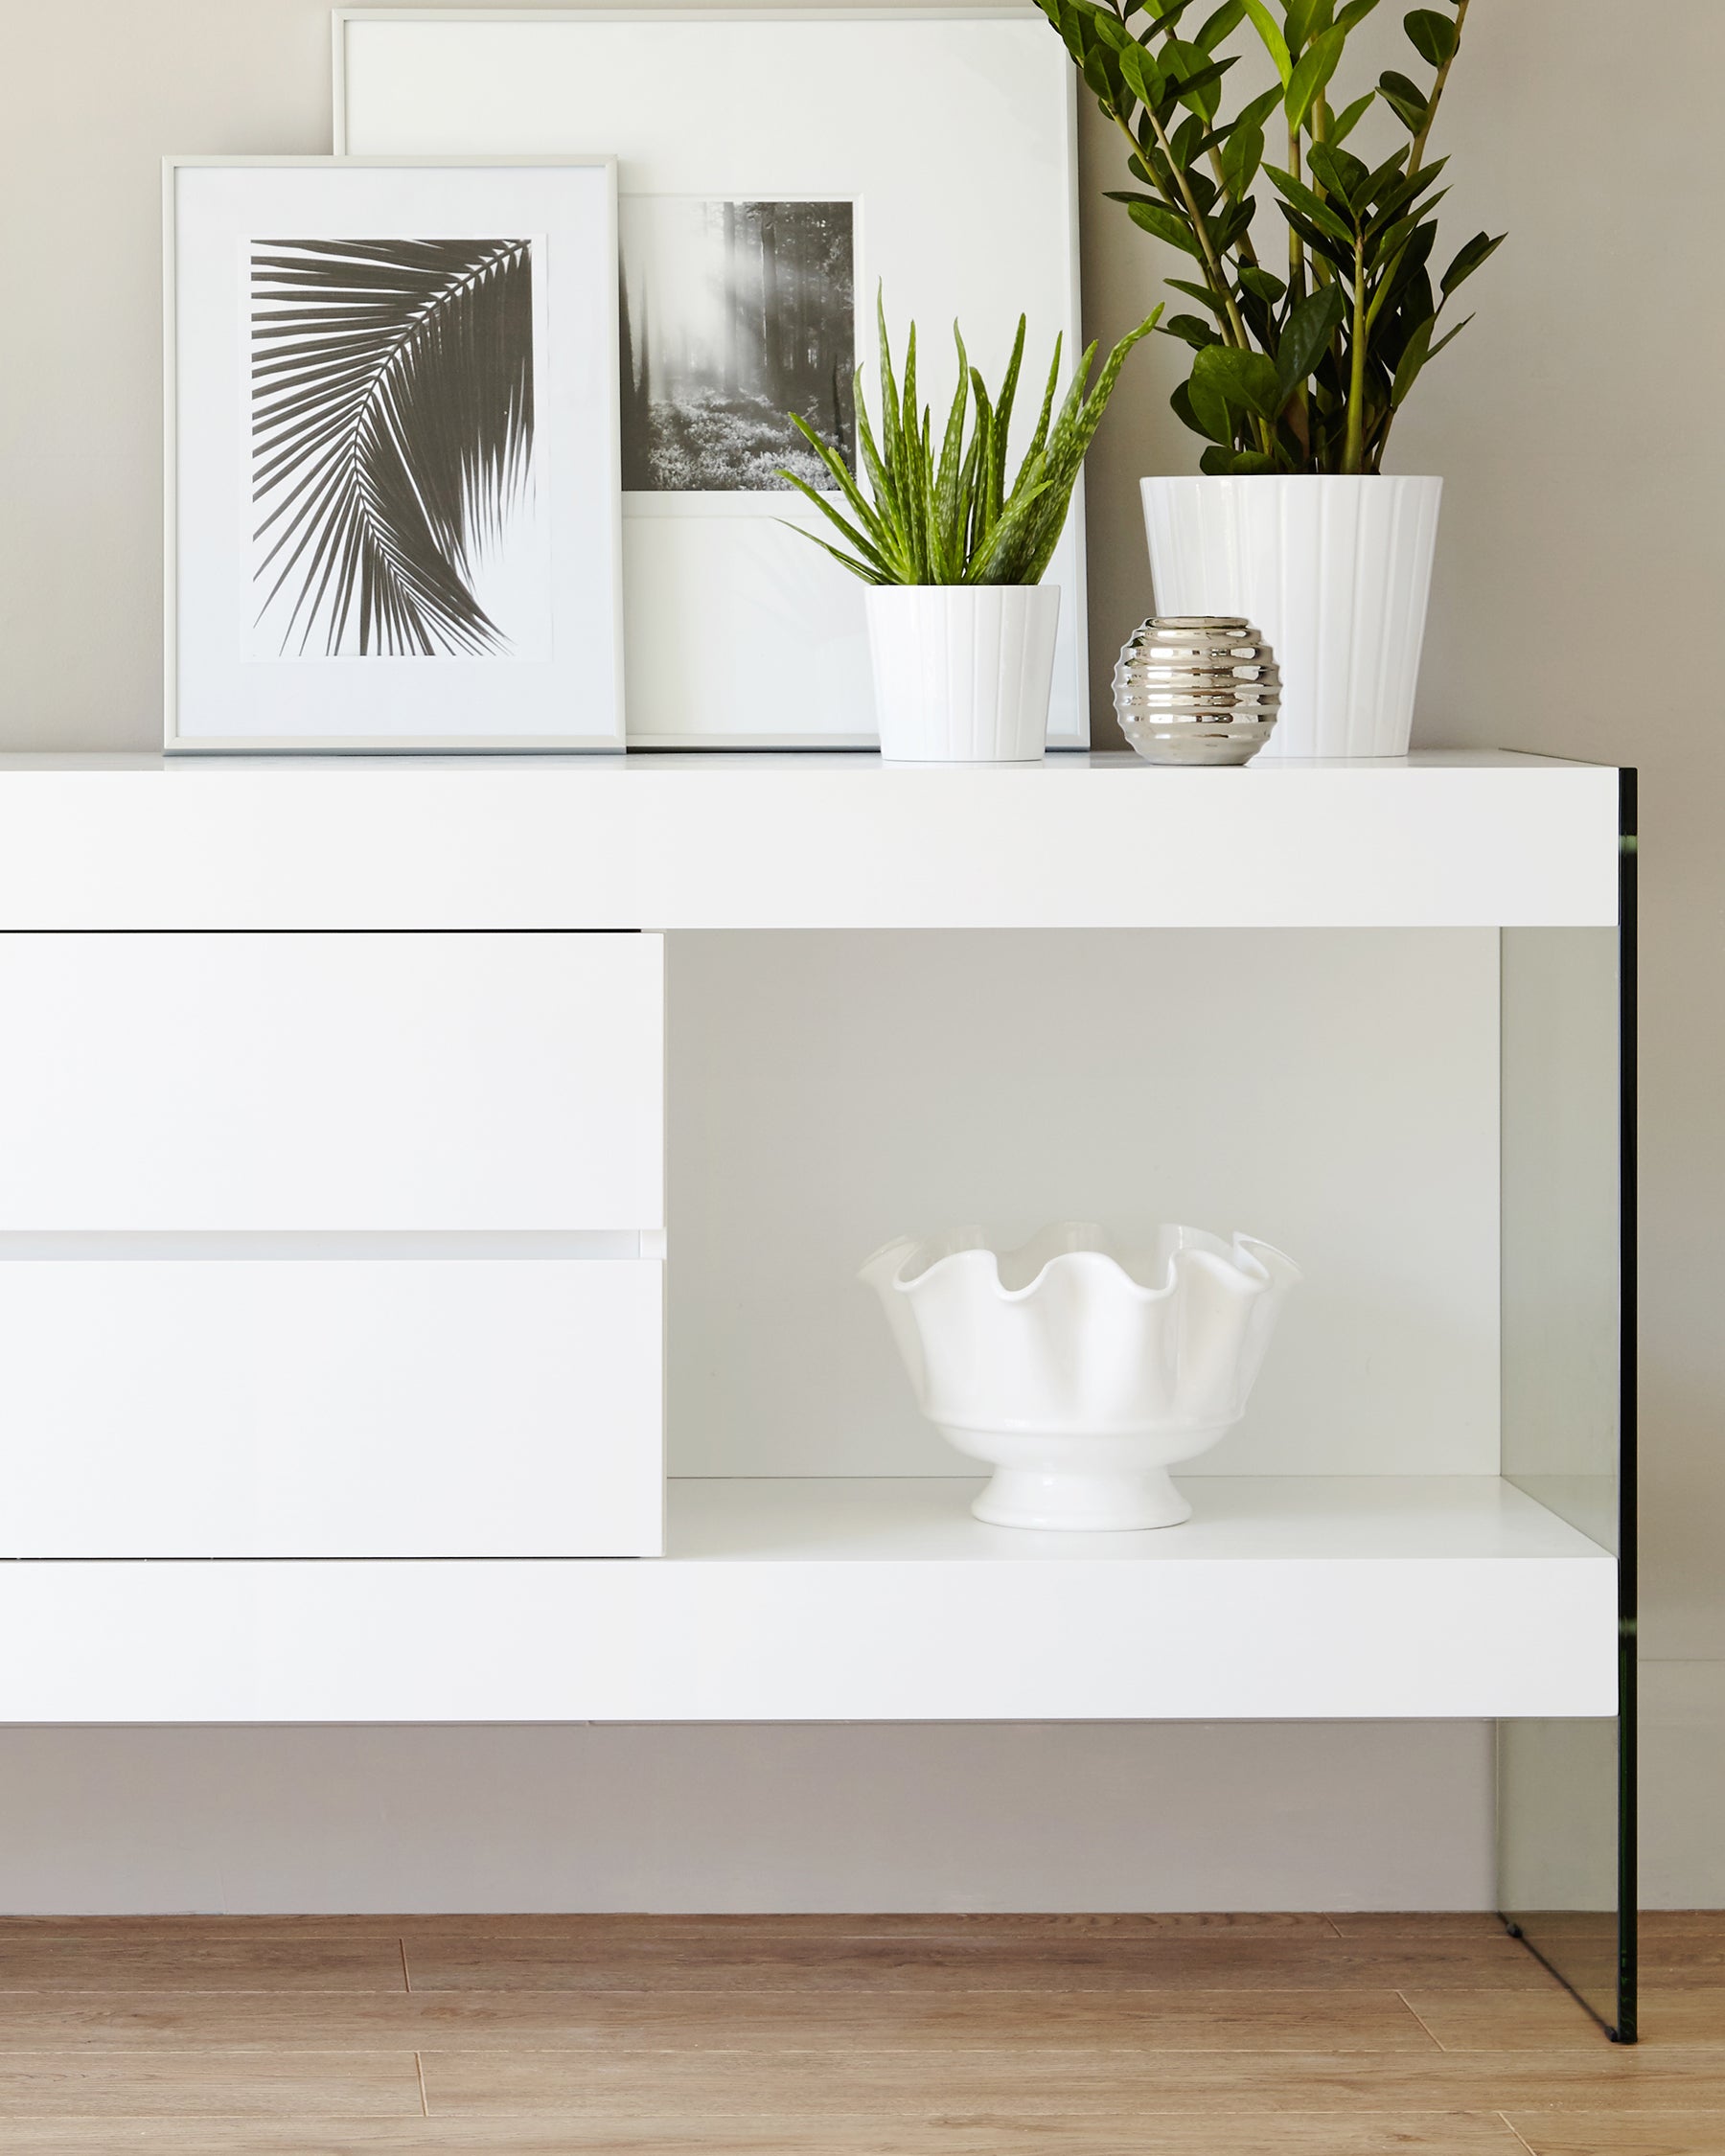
x=1197 y=688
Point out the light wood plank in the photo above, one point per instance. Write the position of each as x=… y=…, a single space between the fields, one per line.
x=762 y=2023
x=1446 y=2134
x=1417 y=1926
x=625 y=2085
x=995 y=1924
x=449 y=1960
x=1660 y=1924
x=1672 y=2012
x=189 y=1958
x=215 y=2084
x=1585 y=2133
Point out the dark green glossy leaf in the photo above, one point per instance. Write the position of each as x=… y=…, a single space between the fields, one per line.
x=1202 y=293
x=1179 y=402
x=1405 y=99
x=1263 y=282
x=1339 y=174
x=1432 y=35
x=1306 y=333
x=1316 y=212
x=1195 y=80
x=1245 y=380
x=1480 y=248
x=1449 y=336
x=1190 y=329
x=1305 y=20
x=1344 y=123
x=1242 y=153
x=1311 y=73
x=1226 y=20
x=1102 y=72
x=1152 y=216
x=1188 y=140
x=1386 y=246
x=1257 y=113
x=1414 y=358
x=1142 y=76
x=1270 y=34
x=1331 y=250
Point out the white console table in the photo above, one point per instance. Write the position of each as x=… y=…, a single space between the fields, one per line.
x=383 y=1133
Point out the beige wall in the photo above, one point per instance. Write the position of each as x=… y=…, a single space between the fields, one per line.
x=1576 y=425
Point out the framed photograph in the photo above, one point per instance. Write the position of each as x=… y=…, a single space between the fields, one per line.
x=779 y=169
x=393 y=491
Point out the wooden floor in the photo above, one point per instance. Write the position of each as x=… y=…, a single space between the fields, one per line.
x=863 y=2036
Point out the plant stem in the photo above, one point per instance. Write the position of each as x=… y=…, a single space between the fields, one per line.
x=1295 y=245
x=1417 y=152
x=1354 y=448
x=1218 y=283
x=1243 y=244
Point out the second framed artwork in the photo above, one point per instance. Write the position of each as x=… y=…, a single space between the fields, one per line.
x=777 y=169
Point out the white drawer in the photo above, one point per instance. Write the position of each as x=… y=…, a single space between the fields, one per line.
x=331 y=1081
x=331 y=1408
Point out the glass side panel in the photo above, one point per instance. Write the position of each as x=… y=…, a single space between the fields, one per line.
x=1566 y=1789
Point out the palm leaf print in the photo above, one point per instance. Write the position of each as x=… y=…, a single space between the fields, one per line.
x=392 y=433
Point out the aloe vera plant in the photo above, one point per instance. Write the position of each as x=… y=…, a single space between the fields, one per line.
x=1302 y=368
x=949 y=517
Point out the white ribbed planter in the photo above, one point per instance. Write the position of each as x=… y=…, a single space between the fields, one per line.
x=962 y=672
x=1336 y=572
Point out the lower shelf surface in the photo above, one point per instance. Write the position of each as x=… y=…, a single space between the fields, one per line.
x=1283 y=1599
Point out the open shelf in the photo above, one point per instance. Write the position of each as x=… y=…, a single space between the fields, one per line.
x=833 y=1599
x=1238 y=1519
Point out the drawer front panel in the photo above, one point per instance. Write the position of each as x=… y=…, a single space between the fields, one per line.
x=334 y=1408
x=332 y=1082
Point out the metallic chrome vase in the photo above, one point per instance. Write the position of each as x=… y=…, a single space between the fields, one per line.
x=1197 y=688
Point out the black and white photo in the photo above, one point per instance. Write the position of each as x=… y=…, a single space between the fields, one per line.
x=734 y=315
x=392 y=443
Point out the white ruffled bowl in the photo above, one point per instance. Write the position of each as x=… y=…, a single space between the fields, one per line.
x=1080 y=1374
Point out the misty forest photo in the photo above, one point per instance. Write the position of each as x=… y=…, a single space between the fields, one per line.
x=734 y=315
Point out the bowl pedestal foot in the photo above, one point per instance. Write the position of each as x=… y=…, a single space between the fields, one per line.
x=1021 y=1496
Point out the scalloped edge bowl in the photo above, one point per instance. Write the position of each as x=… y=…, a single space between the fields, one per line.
x=1078 y=1371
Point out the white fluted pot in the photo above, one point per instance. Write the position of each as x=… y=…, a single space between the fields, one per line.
x=962 y=673
x=1078 y=1374
x=1335 y=571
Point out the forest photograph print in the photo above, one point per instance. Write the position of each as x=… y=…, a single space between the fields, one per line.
x=392 y=445
x=735 y=314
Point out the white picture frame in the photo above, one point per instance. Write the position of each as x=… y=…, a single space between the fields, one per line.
x=739 y=634
x=438 y=569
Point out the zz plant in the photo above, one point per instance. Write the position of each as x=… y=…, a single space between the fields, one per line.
x=949 y=517
x=1302 y=366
